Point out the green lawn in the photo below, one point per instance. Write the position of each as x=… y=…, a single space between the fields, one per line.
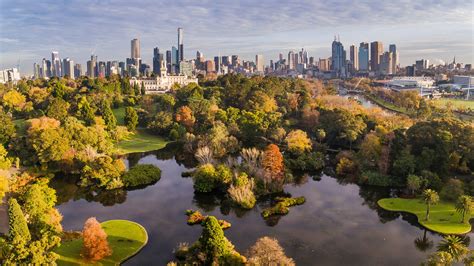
x=457 y=103
x=126 y=238
x=443 y=216
x=119 y=115
x=142 y=141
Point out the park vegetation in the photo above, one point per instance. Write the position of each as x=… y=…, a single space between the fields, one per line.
x=251 y=136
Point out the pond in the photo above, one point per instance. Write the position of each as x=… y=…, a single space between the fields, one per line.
x=340 y=224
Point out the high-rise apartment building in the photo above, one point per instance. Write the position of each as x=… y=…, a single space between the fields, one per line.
x=36 y=71
x=235 y=61
x=174 y=60
x=376 y=50
x=324 y=64
x=168 y=61
x=259 y=63
x=56 y=64
x=180 y=46
x=422 y=64
x=354 y=57
x=338 y=64
x=364 y=56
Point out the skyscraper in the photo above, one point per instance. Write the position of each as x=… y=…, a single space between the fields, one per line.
x=364 y=56
x=91 y=67
x=56 y=64
x=291 y=60
x=180 y=46
x=157 y=60
x=135 y=49
x=37 y=71
x=338 y=57
x=376 y=50
x=174 y=60
x=259 y=63
x=68 y=68
x=235 y=61
x=77 y=70
x=354 y=57
x=386 y=63
x=168 y=61
x=393 y=49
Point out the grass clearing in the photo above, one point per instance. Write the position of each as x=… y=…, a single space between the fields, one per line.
x=126 y=238
x=444 y=218
x=389 y=106
x=141 y=141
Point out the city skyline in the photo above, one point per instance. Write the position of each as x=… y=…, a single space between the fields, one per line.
x=255 y=32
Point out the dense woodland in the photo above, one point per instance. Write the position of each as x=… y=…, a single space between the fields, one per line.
x=279 y=127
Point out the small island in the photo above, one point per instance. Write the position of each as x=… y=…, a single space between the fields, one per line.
x=443 y=219
x=126 y=239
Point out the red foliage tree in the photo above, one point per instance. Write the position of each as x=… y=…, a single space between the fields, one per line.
x=273 y=162
x=184 y=115
x=95 y=246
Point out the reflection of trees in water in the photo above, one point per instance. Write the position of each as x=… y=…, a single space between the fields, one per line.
x=371 y=195
x=210 y=201
x=423 y=243
x=67 y=189
x=133 y=158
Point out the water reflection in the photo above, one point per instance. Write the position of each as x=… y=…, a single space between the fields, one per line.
x=340 y=224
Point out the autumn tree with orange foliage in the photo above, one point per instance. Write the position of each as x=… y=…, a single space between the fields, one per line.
x=273 y=165
x=184 y=116
x=95 y=246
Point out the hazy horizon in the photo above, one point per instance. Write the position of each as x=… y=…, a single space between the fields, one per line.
x=428 y=29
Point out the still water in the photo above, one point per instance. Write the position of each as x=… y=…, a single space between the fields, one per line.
x=340 y=224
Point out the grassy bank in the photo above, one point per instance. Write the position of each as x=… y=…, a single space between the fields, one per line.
x=126 y=239
x=443 y=216
x=387 y=105
x=142 y=141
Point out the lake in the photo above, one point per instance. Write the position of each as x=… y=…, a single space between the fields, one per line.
x=340 y=224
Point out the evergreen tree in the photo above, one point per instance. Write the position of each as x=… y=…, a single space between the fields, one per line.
x=108 y=116
x=143 y=89
x=17 y=228
x=131 y=118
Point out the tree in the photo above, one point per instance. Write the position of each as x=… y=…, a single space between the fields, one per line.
x=58 y=109
x=430 y=197
x=414 y=183
x=108 y=116
x=17 y=227
x=184 y=116
x=131 y=118
x=272 y=162
x=85 y=111
x=214 y=243
x=267 y=251
x=95 y=245
x=3 y=185
x=14 y=100
x=101 y=171
x=452 y=190
x=370 y=150
x=142 y=89
x=453 y=245
x=7 y=128
x=464 y=205
x=161 y=123
x=298 y=142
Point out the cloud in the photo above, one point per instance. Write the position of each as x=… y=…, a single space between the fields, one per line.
x=78 y=27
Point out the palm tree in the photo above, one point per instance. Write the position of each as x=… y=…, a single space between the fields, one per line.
x=430 y=197
x=423 y=243
x=455 y=246
x=464 y=205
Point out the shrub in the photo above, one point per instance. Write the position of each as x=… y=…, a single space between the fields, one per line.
x=346 y=168
x=95 y=243
x=242 y=192
x=141 y=175
x=205 y=178
x=282 y=206
x=267 y=251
